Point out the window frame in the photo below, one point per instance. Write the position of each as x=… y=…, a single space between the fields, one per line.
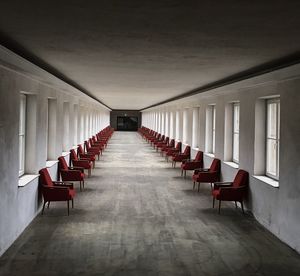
x=276 y=139
x=22 y=134
x=234 y=132
x=213 y=128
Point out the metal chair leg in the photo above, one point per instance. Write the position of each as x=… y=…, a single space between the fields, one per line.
x=242 y=205
x=43 y=207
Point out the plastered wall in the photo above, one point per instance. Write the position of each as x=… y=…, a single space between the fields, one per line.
x=276 y=208
x=19 y=205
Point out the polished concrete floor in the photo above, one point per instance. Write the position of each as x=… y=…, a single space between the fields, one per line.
x=137 y=216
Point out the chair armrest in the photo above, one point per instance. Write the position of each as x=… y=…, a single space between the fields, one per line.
x=62 y=184
x=222 y=185
x=77 y=169
x=201 y=170
x=186 y=160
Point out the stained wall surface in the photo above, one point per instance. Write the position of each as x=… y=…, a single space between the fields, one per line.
x=277 y=208
x=19 y=205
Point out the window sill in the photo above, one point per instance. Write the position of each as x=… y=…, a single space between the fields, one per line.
x=231 y=164
x=26 y=179
x=209 y=154
x=65 y=153
x=51 y=163
x=270 y=181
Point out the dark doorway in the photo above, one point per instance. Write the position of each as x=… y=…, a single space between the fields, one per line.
x=127 y=123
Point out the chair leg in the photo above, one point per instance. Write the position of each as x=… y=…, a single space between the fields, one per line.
x=184 y=174
x=43 y=207
x=242 y=205
x=181 y=172
x=213 y=202
x=48 y=205
x=194 y=185
x=83 y=183
x=72 y=203
x=68 y=204
x=219 y=206
x=89 y=172
x=198 y=186
x=235 y=205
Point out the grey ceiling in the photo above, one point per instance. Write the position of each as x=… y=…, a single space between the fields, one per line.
x=132 y=54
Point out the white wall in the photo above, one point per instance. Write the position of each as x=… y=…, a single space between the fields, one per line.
x=278 y=209
x=19 y=205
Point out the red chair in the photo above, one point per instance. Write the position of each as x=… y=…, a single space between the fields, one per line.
x=173 y=151
x=190 y=165
x=70 y=173
x=90 y=156
x=55 y=190
x=84 y=163
x=162 y=144
x=210 y=175
x=178 y=157
x=160 y=140
x=165 y=148
x=232 y=191
x=94 y=150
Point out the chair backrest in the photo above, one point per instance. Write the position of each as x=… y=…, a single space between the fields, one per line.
x=172 y=143
x=158 y=136
x=45 y=178
x=62 y=163
x=87 y=144
x=73 y=155
x=241 y=179
x=162 y=138
x=167 y=140
x=187 y=150
x=199 y=156
x=178 y=146
x=80 y=149
x=215 y=165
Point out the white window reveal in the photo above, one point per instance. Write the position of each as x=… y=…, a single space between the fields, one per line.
x=272 y=138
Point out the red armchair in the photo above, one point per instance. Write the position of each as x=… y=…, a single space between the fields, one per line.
x=173 y=151
x=162 y=144
x=84 y=163
x=94 y=150
x=55 y=190
x=190 y=165
x=90 y=156
x=165 y=148
x=210 y=175
x=70 y=173
x=232 y=191
x=178 y=157
x=160 y=140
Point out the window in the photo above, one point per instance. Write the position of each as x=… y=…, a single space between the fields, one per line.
x=213 y=112
x=210 y=129
x=51 y=138
x=236 y=132
x=272 y=137
x=22 y=134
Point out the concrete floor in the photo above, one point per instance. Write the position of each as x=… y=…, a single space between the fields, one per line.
x=137 y=216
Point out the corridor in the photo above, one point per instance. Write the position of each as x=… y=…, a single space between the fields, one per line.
x=137 y=216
